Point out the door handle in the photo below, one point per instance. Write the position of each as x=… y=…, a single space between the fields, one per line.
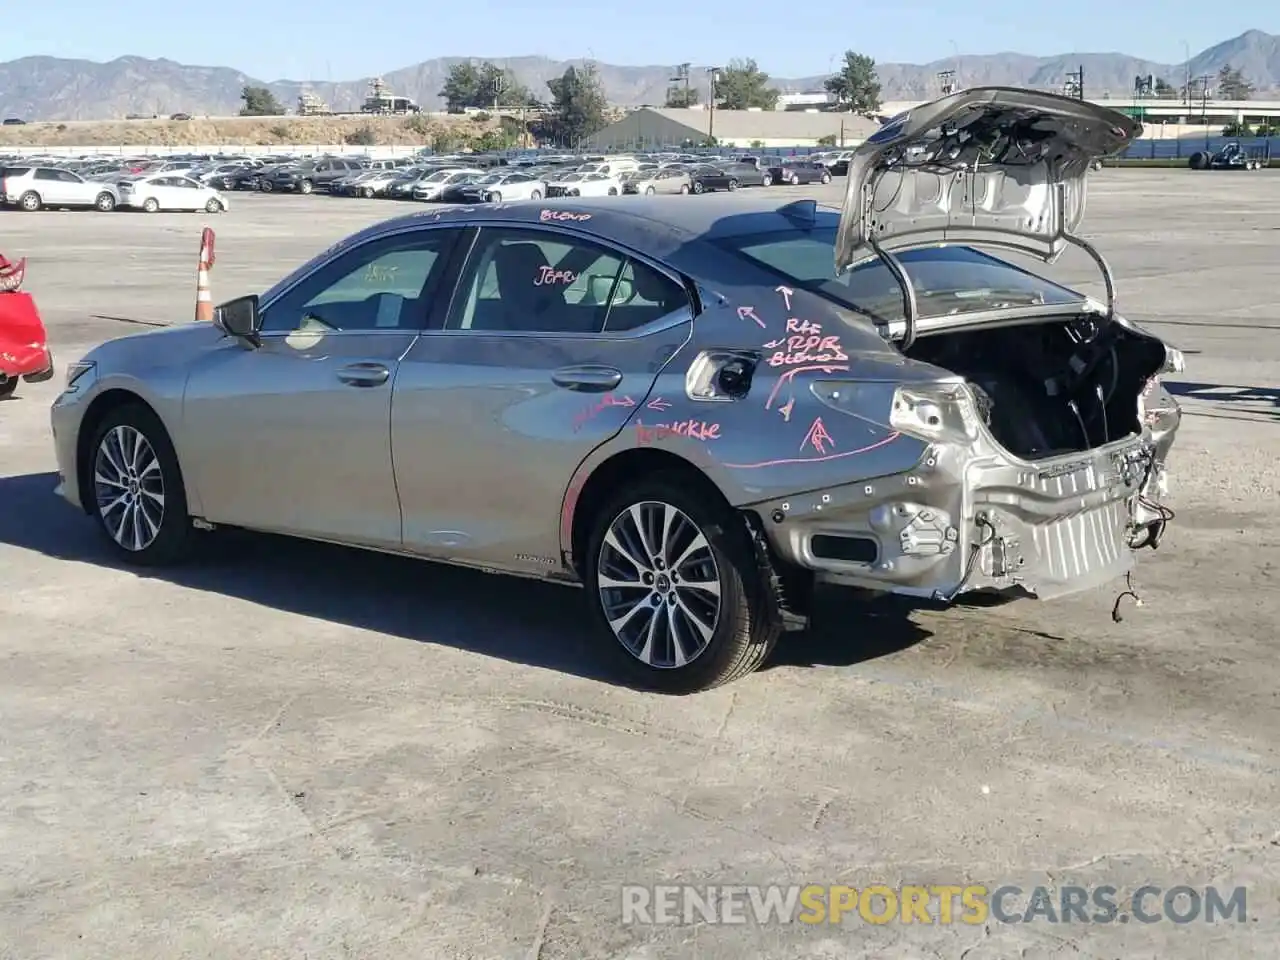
x=588 y=378
x=364 y=374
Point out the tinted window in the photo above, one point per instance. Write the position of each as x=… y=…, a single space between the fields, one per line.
x=383 y=284
x=44 y=174
x=535 y=281
x=946 y=279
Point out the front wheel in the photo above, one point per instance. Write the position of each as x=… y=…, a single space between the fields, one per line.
x=265 y=186
x=213 y=206
x=675 y=587
x=105 y=202
x=306 y=186
x=684 y=188
x=698 y=187
x=136 y=488
x=766 y=181
x=733 y=185
x=649 y=191
x=151 y=205
x=535 y=195
x=826 y=178
x=613 y=191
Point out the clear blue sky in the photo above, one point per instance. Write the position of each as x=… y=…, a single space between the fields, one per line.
x=342 y=40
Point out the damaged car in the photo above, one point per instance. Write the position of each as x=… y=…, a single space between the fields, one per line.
x=695 y=412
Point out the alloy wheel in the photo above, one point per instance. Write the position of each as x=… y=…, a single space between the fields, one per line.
x=129 y=488
x=659 y=585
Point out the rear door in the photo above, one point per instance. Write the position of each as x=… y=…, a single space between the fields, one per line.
x=552 y=343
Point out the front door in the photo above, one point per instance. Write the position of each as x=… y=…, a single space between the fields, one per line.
x=552 y=343
x=294 y=436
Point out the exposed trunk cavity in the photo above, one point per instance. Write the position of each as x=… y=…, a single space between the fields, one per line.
x=1045 y=389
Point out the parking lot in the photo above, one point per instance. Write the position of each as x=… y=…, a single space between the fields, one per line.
x=293 y=750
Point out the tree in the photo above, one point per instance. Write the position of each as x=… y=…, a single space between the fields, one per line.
x=260 y=102
x=682 y=96
x=1232 y=85
x=578 y=105
x=1164 y=90
x=480 y=86
x=743 y=85
x=856 y=87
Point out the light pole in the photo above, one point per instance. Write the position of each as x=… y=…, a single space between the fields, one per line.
x=713 y=74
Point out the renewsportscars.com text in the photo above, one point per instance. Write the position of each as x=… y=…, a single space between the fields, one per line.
x=939 y=904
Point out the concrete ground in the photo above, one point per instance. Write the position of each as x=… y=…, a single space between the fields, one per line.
x=299 y=751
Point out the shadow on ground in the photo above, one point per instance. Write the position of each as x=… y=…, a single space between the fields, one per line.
x=517 y=620
x=1257 y=401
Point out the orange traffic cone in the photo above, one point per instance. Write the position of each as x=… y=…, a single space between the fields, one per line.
x=204 y=299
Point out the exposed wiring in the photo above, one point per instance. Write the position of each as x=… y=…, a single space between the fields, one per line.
x=1129 y=591
x=974 y=551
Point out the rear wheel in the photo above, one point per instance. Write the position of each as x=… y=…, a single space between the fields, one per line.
x=306 y=186
x=697 y=186
x=794 y=179
x=535 y=195
x=30 y=201
x=613 y=191
x=368 y=193
x=135 y=483
x=733 y=185
x=684 y=188
x=265 y=186
x=826 y=177
x=766 y=180
x=649 y=191
x=674 y=584
x=7 y=386
x=105 y=202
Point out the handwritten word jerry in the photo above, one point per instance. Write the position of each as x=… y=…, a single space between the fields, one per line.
x=549 y=276
x=562 y=216
x=805 y=344
x=749 y=313
x=692 y=429
x=604 y=403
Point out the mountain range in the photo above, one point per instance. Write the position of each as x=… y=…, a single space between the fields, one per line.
x=49 y=88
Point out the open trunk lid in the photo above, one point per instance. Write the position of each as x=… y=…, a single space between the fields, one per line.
x=988 y=167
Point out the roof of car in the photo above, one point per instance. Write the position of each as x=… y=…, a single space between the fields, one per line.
x=709 y=216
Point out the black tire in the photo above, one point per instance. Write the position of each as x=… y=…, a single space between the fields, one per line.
x=697 y=186
x=175 y=533
x=613 y=191
x=264 y=186
x=649 y=191
x=535 y=195
x=733 y=185
x=151 y=205
x=104 y=202
x=826 y=178
x=766 y=180
x=30 y=201
x=306 y=186
x=744 y=631
x=7 y=387
x=213 y=206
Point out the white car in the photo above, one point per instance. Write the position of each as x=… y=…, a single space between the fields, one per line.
x=32 y=187
x=585 y=185
x=431 y=186
x=169 y=191
x=512 y=186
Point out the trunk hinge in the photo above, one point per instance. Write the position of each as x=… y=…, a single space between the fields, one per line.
x=1108 y=278
x=910 y=309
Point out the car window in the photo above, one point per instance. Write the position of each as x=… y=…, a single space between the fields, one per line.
x=381 y=284
x=533 y=281
x=44 y=174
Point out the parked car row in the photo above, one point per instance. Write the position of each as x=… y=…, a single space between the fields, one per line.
x=38 y=187
x=201 y=182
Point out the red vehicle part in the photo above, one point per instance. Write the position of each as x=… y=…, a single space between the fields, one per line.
x=24 y=345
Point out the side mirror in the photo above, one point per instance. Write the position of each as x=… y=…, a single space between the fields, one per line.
x=240 y=318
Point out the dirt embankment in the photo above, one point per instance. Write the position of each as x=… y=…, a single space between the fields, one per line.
x=422 y=130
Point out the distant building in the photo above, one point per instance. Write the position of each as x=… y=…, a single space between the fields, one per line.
x=656 y=127
x=813 y=99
